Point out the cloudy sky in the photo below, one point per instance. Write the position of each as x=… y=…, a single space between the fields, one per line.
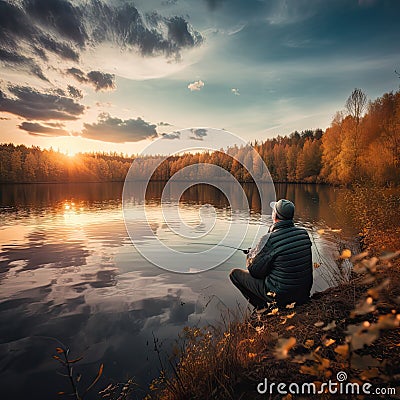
x=113 y=75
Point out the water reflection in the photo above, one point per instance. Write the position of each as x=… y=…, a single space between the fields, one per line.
x=68 y=271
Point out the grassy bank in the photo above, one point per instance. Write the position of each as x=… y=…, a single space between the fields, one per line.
x=352 y=328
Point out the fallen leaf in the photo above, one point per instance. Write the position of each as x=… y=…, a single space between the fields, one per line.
x=346 y=253
x=283 y=347
x=319 y=324
x=309 y=343
x=342 y=349
x=359 y=256
x=289 y=328
x=328 y=342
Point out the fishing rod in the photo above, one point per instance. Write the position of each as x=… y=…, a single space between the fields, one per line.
x=245 y=251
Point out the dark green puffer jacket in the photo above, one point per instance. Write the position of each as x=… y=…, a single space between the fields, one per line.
x=285 y=262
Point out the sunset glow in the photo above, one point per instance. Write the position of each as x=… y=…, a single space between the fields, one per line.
x=257 y=69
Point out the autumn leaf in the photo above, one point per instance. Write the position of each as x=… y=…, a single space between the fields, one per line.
x=365 y=307
x=274 y=311
x=319 y=324
x=359 y=256
x=289 y=328
x=328 y=342
x=99 y=373
x=59 y=350
x=342 y=349
x=309 y=343
x=283 y=347
x=346 y=253
x=291 y=305
x=75 y=360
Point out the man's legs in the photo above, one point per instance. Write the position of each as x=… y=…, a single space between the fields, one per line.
x=253 y=289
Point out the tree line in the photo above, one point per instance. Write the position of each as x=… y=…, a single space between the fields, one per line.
x=362 y=144
x=31 y=164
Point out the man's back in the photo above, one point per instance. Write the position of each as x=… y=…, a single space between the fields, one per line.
x=291 y=275
x=281 y=262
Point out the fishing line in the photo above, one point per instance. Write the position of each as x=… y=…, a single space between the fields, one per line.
x=245 y=251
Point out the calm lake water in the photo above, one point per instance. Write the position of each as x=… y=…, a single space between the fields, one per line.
x=69 y=273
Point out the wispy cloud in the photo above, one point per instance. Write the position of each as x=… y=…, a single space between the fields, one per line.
x=195 y=86
x=37 y=129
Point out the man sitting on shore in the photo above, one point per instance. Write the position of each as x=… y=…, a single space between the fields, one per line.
x=280 y=267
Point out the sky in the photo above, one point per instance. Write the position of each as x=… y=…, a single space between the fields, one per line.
x=115 y=75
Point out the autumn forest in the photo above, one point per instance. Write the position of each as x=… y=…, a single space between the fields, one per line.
x=362 y=144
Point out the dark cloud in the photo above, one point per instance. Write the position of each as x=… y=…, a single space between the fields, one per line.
x=198 y=134
x=116 y=130
x=61 y=16
x=164 y=124
x=31 y=104
x=150 y=34
x=63 y=50
x=37 y=129
x=7 y=56
x=100 y=80
x=14 y=24
x=173 y=135
x=79 y=75
x=32 y=28
x=11 y=59
x=74 y=92
x=180 y=35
